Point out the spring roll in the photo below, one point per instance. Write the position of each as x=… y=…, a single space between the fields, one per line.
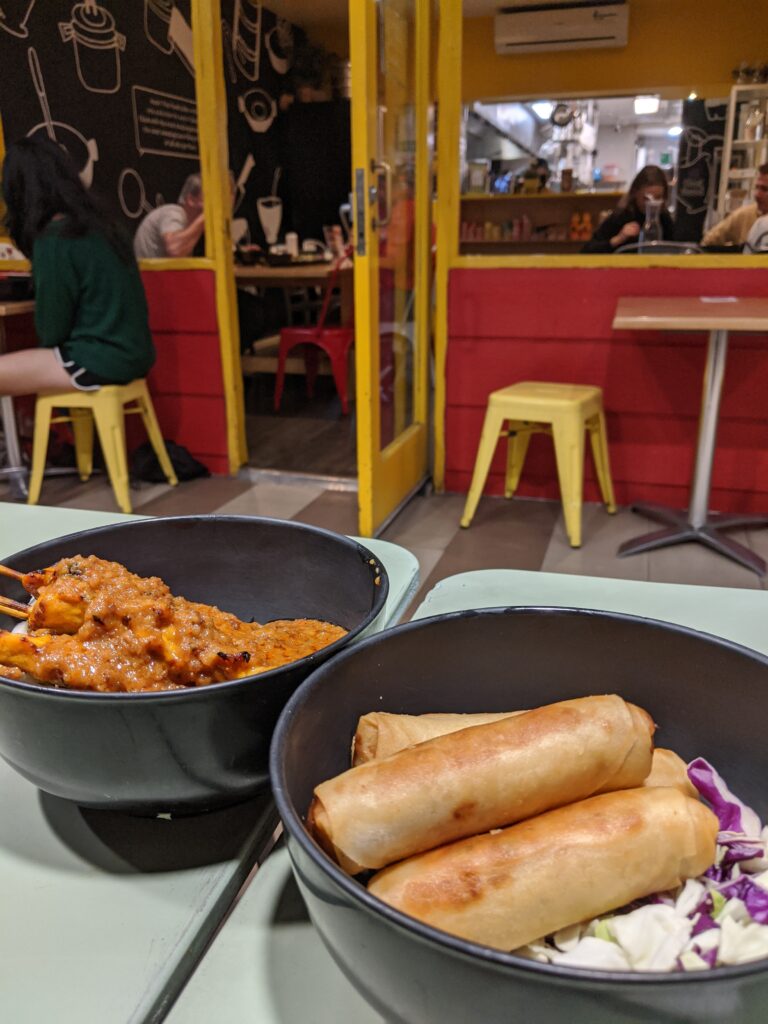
x=480 y=778
x=381 y=734
x=667 y=769
x=511 y=887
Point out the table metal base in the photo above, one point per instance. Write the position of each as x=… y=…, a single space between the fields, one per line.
x=679 y=529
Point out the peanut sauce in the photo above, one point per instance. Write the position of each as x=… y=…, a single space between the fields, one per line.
x=97 y=626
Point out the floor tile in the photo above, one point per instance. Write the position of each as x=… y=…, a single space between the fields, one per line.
x=431 y=520
x=333 y=510
x=693 y=563
x=601 y=536
x=279 y=501
x=196 y=497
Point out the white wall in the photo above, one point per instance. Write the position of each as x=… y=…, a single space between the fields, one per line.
x=617 y=148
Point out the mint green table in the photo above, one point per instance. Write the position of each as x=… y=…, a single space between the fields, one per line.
x=103 y=917
x=267 y=965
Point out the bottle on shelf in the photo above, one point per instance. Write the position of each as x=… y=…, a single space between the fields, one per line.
x=754 y=123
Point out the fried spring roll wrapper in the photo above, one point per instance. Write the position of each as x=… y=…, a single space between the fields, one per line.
x=667 y=769
x=509 y=888
x=381 y=734
x=480 y=778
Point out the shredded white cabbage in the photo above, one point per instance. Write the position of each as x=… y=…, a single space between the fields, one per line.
x=740 y=943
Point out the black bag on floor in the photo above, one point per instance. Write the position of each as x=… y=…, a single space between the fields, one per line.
x=145 y=466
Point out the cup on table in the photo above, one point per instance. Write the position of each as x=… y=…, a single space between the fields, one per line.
x=292 y=243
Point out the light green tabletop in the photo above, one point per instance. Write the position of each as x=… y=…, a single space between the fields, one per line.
x=99 y=924
x=269 y=967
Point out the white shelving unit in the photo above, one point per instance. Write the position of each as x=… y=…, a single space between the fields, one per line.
x=756 y=150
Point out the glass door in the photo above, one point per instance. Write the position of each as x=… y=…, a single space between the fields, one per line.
x=391 y=204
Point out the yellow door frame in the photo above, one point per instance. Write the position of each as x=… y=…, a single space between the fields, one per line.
x=213 y=151
x=385 y=477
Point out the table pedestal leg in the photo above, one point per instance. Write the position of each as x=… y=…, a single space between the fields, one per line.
x=697 y=524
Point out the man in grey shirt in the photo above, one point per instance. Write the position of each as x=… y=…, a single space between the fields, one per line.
x=173 y=229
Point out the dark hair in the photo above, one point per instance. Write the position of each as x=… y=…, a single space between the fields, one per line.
x=651 y=176
x=762 y=169
x=40 y=180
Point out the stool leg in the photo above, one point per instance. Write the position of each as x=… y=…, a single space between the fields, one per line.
x=43 y=411
x=598 y=438
x=517 y=449
x=485 y=450
x=155 y=436
x=82 y=428
x=111 y=429
x=568 y=435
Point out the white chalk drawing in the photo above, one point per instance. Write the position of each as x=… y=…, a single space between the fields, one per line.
x=84 y=152
x=133 y=196
x=258 y=108
x=226 y=37
x=240 y=231
x=693 y=191
x=180 y=35
x=97 y=45
x=15 y=23
x=157 y=20
x=164 y=124
x=246 y=37
x=270 y=211
x=279 y=44
x=242 y=178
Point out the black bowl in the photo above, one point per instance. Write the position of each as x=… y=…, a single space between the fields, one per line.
x=709 y=698
x=206 y=746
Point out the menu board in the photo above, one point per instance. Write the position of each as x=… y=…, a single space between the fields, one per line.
x=113 y=83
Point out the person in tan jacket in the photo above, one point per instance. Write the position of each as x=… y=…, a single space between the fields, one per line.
x=734 y=228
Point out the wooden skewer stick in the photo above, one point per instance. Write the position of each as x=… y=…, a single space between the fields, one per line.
x=7 y=571
x=13 y=608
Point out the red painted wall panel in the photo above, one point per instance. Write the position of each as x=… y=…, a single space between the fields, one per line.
x=509 y=325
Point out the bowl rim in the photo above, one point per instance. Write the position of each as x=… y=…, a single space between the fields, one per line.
x=377 y=568
x=362 y=899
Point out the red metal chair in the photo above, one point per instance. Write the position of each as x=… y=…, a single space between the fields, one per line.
x=334 y=341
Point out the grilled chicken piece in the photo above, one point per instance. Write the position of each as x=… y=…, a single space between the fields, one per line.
x=107 y=629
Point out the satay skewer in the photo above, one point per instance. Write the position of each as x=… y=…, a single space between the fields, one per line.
x=15 y=609
x=5 y=570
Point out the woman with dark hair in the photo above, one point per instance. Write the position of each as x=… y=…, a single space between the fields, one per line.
x=624 y=224
x=90 y=308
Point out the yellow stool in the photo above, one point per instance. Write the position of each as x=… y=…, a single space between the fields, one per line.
x=561 y=410
x=106 y=407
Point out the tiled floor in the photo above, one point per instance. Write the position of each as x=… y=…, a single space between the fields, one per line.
x=517 y=534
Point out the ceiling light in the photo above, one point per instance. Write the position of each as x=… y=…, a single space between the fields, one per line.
x=676 y=129
x=646 y=104
x=542 y=109
x=692 y=96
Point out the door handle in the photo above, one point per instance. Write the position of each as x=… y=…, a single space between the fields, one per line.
x=381 y=167
x=345 y=216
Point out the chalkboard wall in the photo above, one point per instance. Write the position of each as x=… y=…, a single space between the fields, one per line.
x=113 y=82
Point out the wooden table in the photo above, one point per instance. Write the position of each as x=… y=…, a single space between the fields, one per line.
x=14 y=468
x=307 y=275
x=104 y=915
x=719 y=315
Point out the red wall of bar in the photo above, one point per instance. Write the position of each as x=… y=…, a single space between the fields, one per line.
x=510 y=325
x=186 y=381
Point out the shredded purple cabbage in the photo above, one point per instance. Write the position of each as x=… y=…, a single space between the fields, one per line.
x=733 y=815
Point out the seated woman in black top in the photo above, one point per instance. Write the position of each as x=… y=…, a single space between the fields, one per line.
x=624 y=224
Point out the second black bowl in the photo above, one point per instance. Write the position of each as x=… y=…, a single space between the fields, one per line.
x=709 y=698
x=206 y=746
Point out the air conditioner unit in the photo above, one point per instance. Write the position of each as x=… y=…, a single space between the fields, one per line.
x=526 y=27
